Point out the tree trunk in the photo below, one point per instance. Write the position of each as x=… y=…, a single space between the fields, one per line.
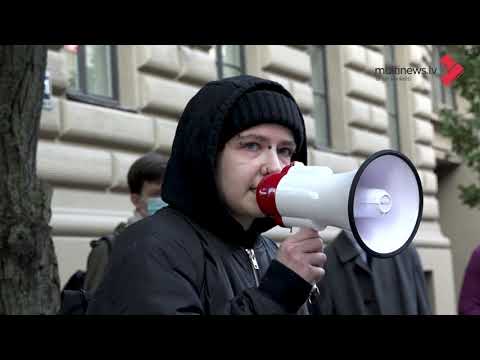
x=29 y=280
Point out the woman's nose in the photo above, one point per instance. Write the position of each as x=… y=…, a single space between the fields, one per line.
x=272 y=164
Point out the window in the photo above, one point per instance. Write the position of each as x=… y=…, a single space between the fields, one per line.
x=392 y=99
x=93 y=73
x=430 y=289
x=443 y=96
x=320 y=95
x=230 y=60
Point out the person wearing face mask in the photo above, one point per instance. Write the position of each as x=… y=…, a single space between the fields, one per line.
x=206 y=254
x=145 y=179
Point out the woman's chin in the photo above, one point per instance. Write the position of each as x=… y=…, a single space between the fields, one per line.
x=257 y=213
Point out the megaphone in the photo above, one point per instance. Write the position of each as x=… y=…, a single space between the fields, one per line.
x=381 y=203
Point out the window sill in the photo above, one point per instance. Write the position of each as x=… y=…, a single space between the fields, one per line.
x=330 y=150
x=98 y=101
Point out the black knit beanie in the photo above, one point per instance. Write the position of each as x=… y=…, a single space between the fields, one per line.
x=263 y=106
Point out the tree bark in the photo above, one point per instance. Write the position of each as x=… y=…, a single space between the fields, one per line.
x=29 y=280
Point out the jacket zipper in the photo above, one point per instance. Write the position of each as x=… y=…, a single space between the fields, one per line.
x=313 y=294
x=254 y=263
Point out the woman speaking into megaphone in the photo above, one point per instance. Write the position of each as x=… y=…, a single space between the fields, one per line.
x=205 y=252
x=249 y=157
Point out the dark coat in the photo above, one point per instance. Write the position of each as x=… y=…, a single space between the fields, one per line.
x=393 y=286
x=191 y=258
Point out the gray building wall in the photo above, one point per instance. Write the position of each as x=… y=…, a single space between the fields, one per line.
x=85 y=150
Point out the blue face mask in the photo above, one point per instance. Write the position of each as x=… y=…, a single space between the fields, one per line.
x=154 y=204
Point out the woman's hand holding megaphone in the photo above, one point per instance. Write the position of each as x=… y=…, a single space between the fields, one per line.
x=302 y=252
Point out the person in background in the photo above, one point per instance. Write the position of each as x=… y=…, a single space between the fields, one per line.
x=145 y=178
x=359 y=284
x=469 y=300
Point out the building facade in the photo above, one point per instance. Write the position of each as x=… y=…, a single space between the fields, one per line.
x=111 y=104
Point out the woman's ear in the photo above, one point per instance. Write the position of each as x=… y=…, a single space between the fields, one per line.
x=136 y=200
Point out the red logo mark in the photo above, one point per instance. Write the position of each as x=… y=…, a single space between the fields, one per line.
x=454 y=70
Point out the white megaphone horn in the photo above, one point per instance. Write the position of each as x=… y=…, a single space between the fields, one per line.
x=381 y=203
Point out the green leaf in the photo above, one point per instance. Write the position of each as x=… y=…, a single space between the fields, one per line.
x=463 y=132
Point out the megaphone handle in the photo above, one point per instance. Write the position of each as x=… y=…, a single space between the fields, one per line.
x=307 y=223
x=290 y=222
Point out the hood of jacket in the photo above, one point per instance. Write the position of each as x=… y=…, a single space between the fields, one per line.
x=189 y=185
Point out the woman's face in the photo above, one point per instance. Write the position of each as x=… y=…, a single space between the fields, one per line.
x=245 y=160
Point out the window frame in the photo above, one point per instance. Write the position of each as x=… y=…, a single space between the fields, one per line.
x=392 y=95
x=221 y=63
x=81 y=94
x=323 y=142
x=442 y=96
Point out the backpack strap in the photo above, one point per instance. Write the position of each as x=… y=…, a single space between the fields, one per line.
x=109 y=239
